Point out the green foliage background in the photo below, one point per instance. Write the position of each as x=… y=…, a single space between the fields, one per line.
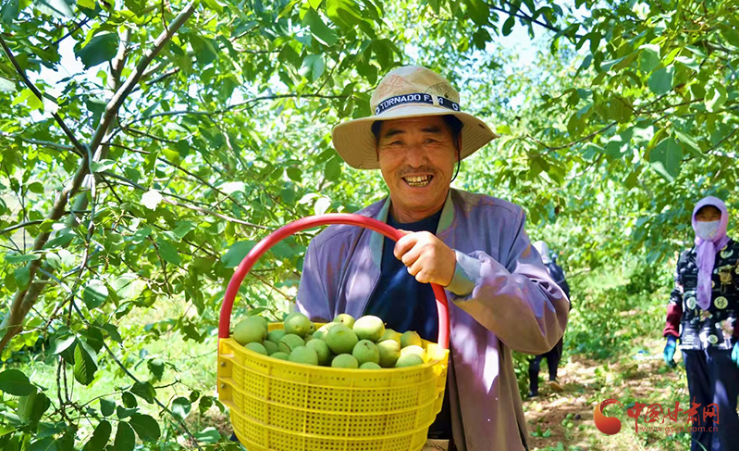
x=130 y=191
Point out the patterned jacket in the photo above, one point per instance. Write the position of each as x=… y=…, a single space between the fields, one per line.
x=716 y=327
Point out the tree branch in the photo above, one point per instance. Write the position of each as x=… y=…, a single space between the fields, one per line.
x=185 y=205
x=572 y=143
x=76 y=27
x=530 y=19
x=136 y=380
x=25 y=298
x=723 y=140
x=174 y=165
x=111 y=110
x=40 y=96
x=228 y=108
x=36 y=142
x=20 y=226
x=526 y=18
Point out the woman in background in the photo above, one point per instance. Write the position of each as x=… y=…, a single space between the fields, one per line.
x=702 y=313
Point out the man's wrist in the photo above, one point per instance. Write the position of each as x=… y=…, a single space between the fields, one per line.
x=466 y=273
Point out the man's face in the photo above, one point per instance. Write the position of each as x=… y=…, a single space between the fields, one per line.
x=417 y=158
x=709 y=213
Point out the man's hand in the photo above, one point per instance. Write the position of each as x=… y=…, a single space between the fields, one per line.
x=427 y=258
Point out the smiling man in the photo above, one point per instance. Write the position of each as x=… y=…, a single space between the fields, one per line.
x=501 y=295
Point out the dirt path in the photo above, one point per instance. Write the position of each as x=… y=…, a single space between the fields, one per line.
x=564 y=421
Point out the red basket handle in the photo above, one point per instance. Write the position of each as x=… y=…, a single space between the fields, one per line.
x=306 y=223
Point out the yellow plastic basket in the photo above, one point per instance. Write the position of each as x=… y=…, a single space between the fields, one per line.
x=276 y=405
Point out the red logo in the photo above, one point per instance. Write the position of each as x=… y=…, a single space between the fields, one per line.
x=605 y=424
x=689 y=420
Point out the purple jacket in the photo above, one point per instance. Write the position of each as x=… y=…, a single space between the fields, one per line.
x=501 y=299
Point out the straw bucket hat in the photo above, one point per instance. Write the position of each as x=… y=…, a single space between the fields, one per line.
x=405 y=92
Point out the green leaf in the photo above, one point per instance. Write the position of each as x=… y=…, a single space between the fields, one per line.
x=168 y=252
x=345 y=13
x=10 y=11
x=618 y=145
x=129 y=400
x=125 y=439
x=183 y=228
x=575 y=125
x=84 y=363
x=14 y=258
x=101 y=48
x=689 y=143
x=282 y=250
x=333 y=169
x=715 y=97
x=181 y=407
x=122 y=413
x=384 y=51
x=649 y=57
x=144 y=390
x=95 y=294
x=16 y=383
x=107 y=407
x=127 y=286
x=36 y=187
x=508 y=25
x=205 y=50
x=690 y=63
x=666 y=158
x=140 y=235
x=44 y=444
x=146 y=427
x=213 y=5
x=731 y=35
x=156 y=367
x=479 y=12
x=671 y=56
x=54 y=261
x=295 y=174
x=113 y=333
x=5 y=430
x=208 y=436
x=32 y=407
x=312 y=67
x=612 y=64
x=661 y=81
x=100 y=437
x=319 y=29
x=236 y=253
x=22 y=276
x=102 y=165
x=315 y=3
x=60 y=344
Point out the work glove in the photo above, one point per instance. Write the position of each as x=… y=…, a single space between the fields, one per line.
x=735 y=353
x=670 y=347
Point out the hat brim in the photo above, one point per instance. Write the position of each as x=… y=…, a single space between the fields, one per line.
x=355 y=142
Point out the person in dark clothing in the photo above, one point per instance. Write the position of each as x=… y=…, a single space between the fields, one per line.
x=702 y=314
x=555 y=355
